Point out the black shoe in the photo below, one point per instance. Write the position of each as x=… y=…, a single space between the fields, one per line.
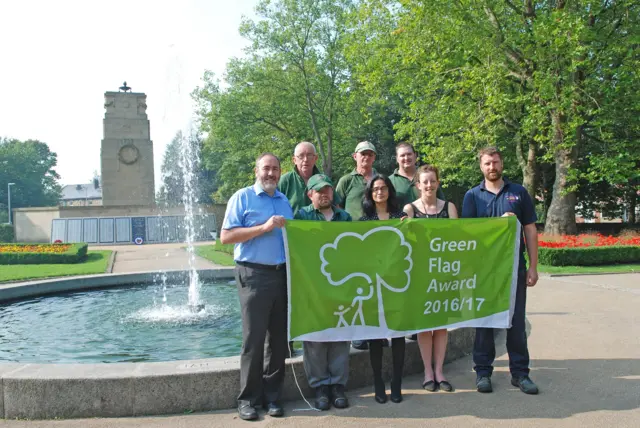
x=379 y=389
x=339 y=399
x=360 y=344
x=525 y=384
x=274 y=409
x=445 y=386
x=322 y=398
x=247 y=412
x=396 y=390
x=483 y=384
x=430 y=386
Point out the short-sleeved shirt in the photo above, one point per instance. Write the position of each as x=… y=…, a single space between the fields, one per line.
x=350 y=192
x=310 y=213
x=480 y=202
x=398 y=214
x=293 y=186
x=252 y=206
x=406 y=191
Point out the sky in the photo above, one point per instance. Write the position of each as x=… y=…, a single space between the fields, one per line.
x=58 y=58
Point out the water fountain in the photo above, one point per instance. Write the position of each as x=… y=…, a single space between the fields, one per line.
x=189 y=160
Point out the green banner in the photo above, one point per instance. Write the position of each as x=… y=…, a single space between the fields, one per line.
x=376 y=279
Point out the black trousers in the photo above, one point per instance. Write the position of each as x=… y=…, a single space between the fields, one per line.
x=263 y=303
x=484 y=348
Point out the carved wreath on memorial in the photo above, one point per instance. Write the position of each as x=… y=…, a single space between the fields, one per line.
x=128 y=154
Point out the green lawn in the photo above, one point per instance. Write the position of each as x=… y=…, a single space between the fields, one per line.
x=217 y=253
x=96 y=262
x=622 y=268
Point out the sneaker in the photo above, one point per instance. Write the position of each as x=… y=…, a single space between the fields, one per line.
x=483 y=384
x=525 y=384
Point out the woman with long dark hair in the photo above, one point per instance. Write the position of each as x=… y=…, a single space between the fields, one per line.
x=433 y=344
x=379 y=203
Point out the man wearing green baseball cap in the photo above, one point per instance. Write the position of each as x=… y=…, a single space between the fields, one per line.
x=325 y=363
x=351 y=187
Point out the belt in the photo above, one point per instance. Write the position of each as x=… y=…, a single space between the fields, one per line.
x=261 y=266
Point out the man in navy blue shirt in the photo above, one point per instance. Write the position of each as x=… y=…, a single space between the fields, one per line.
x=498 y=197
x=253 y=221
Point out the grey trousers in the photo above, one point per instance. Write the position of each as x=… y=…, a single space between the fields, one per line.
x=326 y=363
x=263 y=303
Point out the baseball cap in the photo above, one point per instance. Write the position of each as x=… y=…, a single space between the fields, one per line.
x=318 y=181
x=365 y=145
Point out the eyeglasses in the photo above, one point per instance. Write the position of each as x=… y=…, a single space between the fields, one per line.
x=380 y=189
x=306 y=156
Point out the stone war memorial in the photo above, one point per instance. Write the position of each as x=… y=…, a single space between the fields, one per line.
x=128 y=212
x=126 y=153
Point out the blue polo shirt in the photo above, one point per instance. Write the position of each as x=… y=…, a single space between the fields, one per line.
x=252 y=206
x=480 y=202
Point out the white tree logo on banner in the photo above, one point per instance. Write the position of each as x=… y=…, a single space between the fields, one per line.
x=358 y=317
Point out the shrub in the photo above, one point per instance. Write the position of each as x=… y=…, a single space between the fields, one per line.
x=588 y=256
x=75 y=253
x=6 y=233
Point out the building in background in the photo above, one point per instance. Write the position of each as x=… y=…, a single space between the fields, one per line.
x=82 y=195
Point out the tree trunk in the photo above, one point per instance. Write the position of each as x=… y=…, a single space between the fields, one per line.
x=633 y=203
x=529 y=167
x=548 y=173
x=561 y=217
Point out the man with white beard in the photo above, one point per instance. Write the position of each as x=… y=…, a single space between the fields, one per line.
x=253 y=221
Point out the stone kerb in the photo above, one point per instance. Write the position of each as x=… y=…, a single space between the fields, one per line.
x=44 y=391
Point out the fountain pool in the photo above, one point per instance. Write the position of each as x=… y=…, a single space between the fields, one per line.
x=122 y=324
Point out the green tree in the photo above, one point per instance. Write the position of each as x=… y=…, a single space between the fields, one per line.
x=535 y=78
x=293 y=85
x=173 y=173
x=31 y=166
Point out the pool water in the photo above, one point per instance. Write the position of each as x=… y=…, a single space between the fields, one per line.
x=124 y=324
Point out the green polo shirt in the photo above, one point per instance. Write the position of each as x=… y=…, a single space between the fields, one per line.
x=406 y=191
x=293 y=187
x=350 y=190
x=310 y=213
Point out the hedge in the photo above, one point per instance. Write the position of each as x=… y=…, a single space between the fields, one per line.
x=588 y=256
x=76 y=253
x=6 y=233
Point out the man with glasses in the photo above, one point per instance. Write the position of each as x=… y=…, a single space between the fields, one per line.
x=294 y=183
x=350 y=188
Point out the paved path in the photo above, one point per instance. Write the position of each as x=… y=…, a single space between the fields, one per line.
x=153 y=257
x=585 y=345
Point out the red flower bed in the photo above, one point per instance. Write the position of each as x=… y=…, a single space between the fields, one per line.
x=586 y=240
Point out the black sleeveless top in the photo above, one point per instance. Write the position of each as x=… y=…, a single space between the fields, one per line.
x=444 y=212
x=398 y=214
